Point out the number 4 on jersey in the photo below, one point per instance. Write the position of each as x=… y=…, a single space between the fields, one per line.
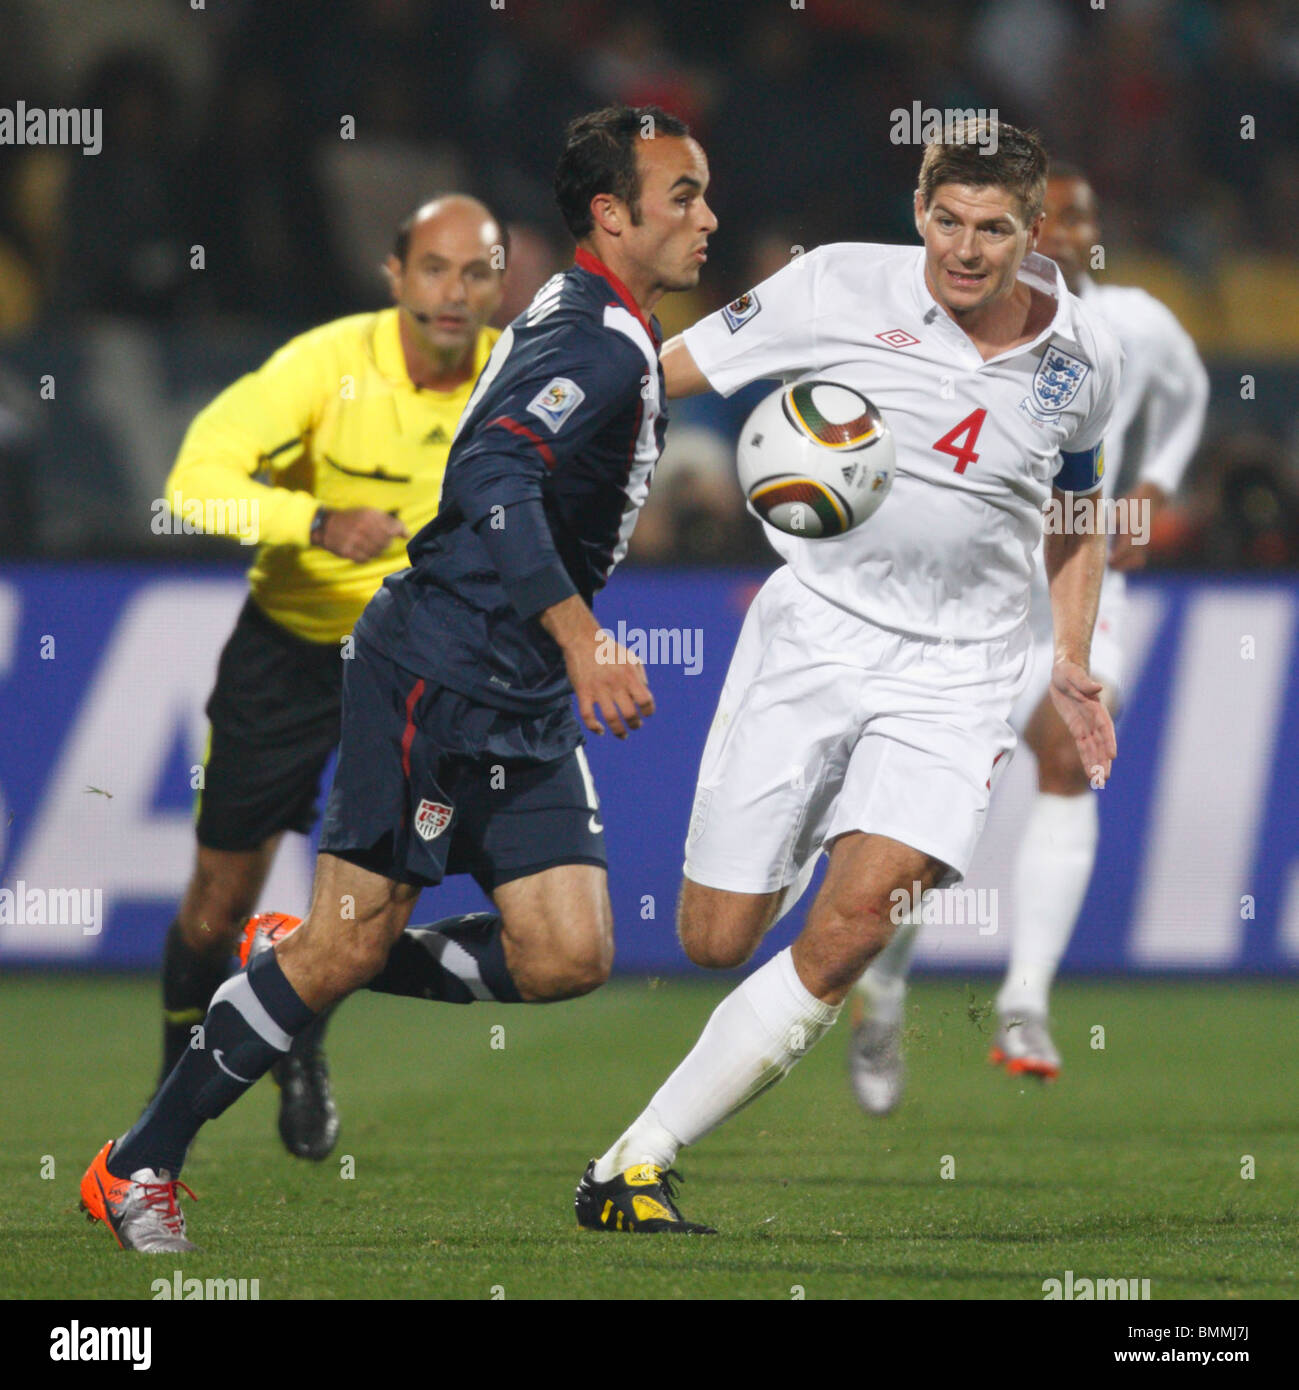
x=963 y=453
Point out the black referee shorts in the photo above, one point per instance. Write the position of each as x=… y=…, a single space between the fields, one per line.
x=275 y=720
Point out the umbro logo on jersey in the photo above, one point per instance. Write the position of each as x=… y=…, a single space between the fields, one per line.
x=437 y=435
x=897 y=338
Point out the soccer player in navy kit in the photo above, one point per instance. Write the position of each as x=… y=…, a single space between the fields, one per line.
x=460 y=751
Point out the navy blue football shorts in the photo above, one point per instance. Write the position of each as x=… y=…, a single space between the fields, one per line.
x=430 y=783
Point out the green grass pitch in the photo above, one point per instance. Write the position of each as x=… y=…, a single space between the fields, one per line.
x=465 y=1153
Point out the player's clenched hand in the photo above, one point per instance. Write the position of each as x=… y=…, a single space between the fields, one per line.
x=609 y=681
x=1077 y=698
x=360 y=533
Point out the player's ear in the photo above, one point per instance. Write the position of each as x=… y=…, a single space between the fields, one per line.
x=919 y=206
x=606 y=210
x=1035 y=230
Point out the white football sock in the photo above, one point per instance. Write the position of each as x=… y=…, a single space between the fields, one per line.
x=645 y=1142
x=1052 y=872
x=753 y=1038
x=884 y=983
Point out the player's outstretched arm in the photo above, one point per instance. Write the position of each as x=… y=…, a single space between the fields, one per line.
x=681 y=375
x=607 y=679
x=1075 y=566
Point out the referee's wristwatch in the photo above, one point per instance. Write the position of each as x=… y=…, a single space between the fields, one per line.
x=318 y=525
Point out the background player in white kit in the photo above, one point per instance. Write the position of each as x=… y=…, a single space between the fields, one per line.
x=1163 y=391
x=866 y=707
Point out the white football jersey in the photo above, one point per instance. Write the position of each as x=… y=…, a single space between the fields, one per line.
x=1163 y=385
x=950 y=553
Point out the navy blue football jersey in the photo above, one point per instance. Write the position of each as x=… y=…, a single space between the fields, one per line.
x=548 y=470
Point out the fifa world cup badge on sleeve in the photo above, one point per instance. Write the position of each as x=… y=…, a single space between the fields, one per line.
x=739 y=311
x=556 y=401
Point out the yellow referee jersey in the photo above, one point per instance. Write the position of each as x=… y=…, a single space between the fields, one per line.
x=332 y=419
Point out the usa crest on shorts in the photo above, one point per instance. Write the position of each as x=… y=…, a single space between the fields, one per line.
x=1057 y=379
x=431 y=819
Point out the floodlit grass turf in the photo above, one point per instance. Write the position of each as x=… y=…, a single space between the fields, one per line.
x=466 y=1155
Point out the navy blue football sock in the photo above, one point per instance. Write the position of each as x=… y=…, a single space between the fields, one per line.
x=251 y=1024
x=312 y=1037
x=454 y=961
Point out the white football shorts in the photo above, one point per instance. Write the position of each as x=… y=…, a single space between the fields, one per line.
x=828 y=723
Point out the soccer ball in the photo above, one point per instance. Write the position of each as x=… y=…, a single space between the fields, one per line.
x=816 y=459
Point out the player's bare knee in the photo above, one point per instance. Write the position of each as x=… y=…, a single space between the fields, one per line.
x=707 y=938
x=715 y=946
x=551 y=961
x=592 y=963
x=719 y=930
x=568 y=975
x=585 y=974
x=212 y=915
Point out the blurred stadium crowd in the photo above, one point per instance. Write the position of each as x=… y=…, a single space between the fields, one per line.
x=226 y=128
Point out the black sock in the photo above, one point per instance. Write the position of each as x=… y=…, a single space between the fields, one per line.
x=250 y=1025
x=189 y=980
x=454 y=961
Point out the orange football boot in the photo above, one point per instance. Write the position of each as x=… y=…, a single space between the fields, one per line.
x=141 y=1211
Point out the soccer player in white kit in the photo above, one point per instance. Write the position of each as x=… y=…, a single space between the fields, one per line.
x=1163 y=391
x=866 y=709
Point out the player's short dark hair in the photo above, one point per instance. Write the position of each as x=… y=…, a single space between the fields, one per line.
x=401 y=237
x=1019 y=164
x=600 y=157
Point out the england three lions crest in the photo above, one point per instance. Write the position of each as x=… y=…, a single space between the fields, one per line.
x=1057 y=379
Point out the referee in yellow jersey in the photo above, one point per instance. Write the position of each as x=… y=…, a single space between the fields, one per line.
x=331 y=455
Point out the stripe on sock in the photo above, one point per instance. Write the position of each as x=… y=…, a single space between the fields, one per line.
x=455 y=960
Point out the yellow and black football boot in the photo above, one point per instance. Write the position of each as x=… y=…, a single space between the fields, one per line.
x=638 y=1200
